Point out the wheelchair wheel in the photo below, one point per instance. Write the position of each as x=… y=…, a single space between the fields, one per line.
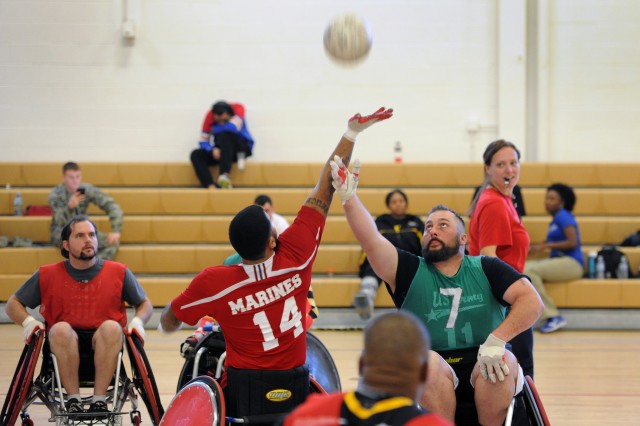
x=143 y=378
x=199 y=403
x=208 y=362
x=22 y=380
x=321 y=365
x=533 y=403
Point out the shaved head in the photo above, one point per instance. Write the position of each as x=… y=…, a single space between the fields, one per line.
x=396 y=350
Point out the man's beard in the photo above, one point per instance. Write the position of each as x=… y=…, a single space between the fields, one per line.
x=444 y=253
x=85 y=256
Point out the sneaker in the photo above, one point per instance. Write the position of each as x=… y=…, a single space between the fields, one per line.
x=553 y=324
x=99 y=409
x=74 y=406
x=363 y=305
x=224 y=181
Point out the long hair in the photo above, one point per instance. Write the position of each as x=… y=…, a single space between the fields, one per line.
x=489 y=152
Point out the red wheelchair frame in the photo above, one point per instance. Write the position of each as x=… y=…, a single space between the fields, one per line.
x=24 y=390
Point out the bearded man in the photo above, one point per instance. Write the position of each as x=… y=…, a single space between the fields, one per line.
x=461 y=300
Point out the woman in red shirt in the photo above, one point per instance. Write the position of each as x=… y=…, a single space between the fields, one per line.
x=495 y=228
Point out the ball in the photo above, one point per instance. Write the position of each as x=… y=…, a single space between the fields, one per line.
x=348 y=38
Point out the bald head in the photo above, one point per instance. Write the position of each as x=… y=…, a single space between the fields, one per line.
x=396 y=350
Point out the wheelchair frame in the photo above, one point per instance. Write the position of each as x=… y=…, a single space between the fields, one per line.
x=200 y=378
x=47 y=388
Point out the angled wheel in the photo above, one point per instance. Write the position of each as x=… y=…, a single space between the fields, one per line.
x=143 y=378
x=199 y=403
x=533 y=403
x=215 y=346
x=22 y=379
x=321 y=365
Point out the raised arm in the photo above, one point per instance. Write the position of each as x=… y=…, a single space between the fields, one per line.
x=322 y=194
x=381 y=253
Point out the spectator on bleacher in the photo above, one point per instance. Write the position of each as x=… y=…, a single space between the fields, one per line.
x=393 y=370
x=461 y=300
x=495 y=229
x=82 y=300
x=278 y=222
x=404 y=231
x=225 y=139
x=566 y=261
x=73 y=197
x=260 y=303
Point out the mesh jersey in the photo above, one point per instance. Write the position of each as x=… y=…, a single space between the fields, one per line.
x=459 y=311
x=83 y=305
x=259 y=307
x=339 y=409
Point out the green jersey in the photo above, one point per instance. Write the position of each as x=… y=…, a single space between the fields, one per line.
x=459 y=311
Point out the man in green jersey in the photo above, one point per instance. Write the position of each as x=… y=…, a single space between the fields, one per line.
x=462 y=301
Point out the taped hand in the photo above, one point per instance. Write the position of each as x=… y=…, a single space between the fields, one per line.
x=138 y=325
x=344 y=181
x=29 y=325
x=358 y=123
x=491 y=359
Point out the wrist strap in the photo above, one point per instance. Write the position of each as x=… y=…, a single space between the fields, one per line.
x=351 y=135
x=28 y=319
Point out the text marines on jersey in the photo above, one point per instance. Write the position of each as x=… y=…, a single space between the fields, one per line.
x=266 y=296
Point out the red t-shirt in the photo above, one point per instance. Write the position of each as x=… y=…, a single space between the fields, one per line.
x=495 y=222
x=85 y=306
x=260 y=308
x=344 y=408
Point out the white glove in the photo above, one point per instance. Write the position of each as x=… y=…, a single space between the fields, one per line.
x=29 y=325
x=491 y=359
x=358 y=123
x=137 y=324
x=344 y=181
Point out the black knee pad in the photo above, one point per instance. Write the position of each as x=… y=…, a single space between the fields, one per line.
x=256 y=392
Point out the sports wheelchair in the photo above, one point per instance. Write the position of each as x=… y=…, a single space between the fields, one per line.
x=526 y=409
x=201 y=397
x=47 y=389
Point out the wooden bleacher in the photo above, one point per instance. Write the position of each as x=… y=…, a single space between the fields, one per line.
x=173 y=229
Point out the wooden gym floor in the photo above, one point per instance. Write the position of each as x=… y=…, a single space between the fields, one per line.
x=584 y=377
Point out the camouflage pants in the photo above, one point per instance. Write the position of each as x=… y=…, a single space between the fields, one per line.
x=106 y=251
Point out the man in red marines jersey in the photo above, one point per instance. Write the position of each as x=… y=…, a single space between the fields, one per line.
x=260 y=303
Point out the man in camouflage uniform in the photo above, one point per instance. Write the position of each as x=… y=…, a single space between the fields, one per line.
x=70 y=198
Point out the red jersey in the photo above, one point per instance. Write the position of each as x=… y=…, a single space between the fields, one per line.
x=238 y=109
x=83 y=305
x=339 y=409
x=495 y=222
x=260 y=308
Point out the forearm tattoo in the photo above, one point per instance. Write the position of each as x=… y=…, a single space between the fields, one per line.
x=313 y=201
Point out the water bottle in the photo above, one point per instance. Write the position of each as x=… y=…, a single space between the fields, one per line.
x=18 y=204
x=623 y=268
x=592 y=264
x=600 y=268
x=397 y=152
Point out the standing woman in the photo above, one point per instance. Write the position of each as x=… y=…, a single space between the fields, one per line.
x=495 y=228
x=565 y=261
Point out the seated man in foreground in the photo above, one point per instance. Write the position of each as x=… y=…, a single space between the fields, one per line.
x=462 y=301
x=393 y=369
